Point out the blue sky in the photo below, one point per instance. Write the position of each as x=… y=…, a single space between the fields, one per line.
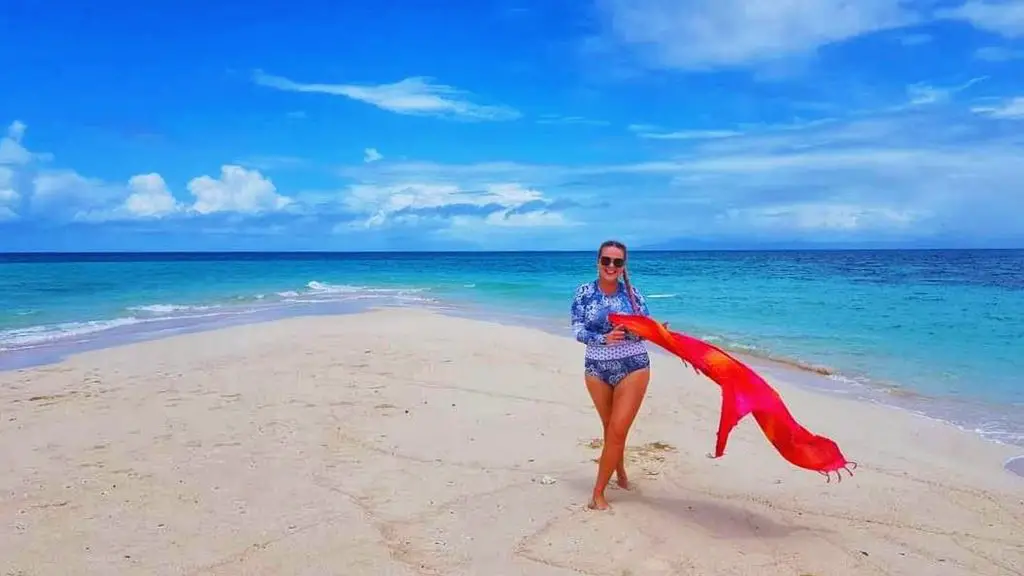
x=510 y=125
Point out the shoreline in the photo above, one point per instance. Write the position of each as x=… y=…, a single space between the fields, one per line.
x=289 y=303
x=769 y=368
x=944 y=410
x=409 y=441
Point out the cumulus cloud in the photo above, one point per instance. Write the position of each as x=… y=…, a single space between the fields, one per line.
x=147 y=196
x=418 y=95
x=64 y=194
x=9 y=197
x=236 y=190
x=11 y=149
x=382 y=200
x=150 y=197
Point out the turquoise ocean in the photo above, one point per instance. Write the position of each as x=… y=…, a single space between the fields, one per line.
x=937 y=332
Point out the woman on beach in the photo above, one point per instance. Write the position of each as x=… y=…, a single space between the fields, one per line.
x=616 y=364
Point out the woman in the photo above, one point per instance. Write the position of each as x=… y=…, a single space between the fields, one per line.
x=616 y=365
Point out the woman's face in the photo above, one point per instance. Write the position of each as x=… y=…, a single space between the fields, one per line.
x=611 y=263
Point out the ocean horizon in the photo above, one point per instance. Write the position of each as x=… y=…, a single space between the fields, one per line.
x=928 y=330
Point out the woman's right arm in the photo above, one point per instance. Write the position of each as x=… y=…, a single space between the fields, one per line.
x=579 y=319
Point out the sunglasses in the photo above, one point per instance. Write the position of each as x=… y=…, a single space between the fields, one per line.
x=616 y=262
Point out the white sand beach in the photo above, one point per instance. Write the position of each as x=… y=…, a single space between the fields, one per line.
x=402 y=442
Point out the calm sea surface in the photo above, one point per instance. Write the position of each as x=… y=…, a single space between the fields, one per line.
x=941 y=332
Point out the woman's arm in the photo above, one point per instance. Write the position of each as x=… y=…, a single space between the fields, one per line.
x=579 y=319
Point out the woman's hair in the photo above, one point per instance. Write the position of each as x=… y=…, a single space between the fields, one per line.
x=625 y=272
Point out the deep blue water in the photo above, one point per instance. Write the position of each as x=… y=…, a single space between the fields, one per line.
x=939 y=327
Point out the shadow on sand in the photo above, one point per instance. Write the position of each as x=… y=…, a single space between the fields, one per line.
x=719 y=518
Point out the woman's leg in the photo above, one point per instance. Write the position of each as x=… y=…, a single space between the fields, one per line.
x=601 y=393
x=626 y=399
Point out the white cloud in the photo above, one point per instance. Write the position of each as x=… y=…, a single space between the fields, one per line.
x=1010 y=109
x=418 y=95
x=64 y=194
x=7 y=183
x=145 y=197
x=655 y=133
x=702 y=34
x=998 y=54
x=150 y=197
x=236 y=190
x=570 y=120
x=909 y=173
x=67 y=191
x=11 y=150
x=1003 y=17
x=824 y=217
x=707 y=34
x=510 y=230
x=16 y=130
x=527 y=220
x=9 y=197
x=921 y=94
x=372 y=155
x=502 y=204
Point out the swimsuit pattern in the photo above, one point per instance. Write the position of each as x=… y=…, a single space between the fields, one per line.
x=614 y=371
x=590 y=308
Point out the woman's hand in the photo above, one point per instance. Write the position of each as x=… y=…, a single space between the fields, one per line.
x=616 y=336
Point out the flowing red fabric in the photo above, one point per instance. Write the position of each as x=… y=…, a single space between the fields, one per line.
x=744 y=392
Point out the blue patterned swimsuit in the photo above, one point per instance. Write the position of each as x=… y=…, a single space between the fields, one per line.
x=608 y=362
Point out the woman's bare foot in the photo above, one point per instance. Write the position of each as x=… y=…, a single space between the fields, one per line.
x=597 y=502
x=621 y=479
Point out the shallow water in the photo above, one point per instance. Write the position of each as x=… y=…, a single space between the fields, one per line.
x=929 y=331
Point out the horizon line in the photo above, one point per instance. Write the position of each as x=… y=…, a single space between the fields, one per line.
x=525 y=251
